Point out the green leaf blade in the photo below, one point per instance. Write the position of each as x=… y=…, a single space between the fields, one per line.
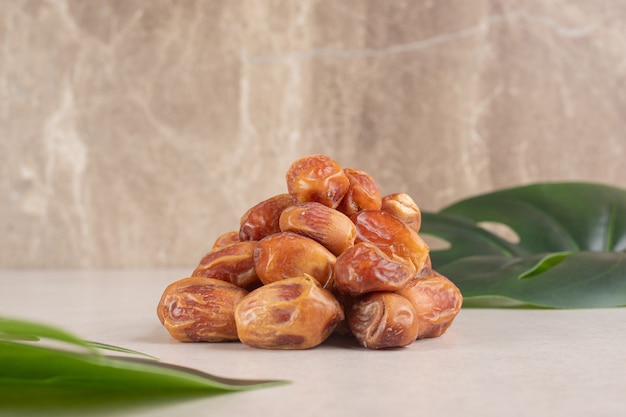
x=29 y=330
x=466 y=237
x=43 y=366
x=104 y=346
x=35 y=376
x=551 y=217
x=575 y=282
x=546 y=263
x=572 y=240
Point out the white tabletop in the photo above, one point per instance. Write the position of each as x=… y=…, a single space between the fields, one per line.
x=490 y=363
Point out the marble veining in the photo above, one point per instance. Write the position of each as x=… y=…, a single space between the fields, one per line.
x=132 y=133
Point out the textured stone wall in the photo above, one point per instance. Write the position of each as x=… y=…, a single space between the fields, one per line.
x=132 y=133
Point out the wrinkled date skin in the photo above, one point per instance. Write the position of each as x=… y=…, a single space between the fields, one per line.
x=329 y=254
x=226 y=239
x=317 y=178
x=334 y=230
x=232 y=263
x=199 y=309
x=382 y=320
x=262 y=219
x=390 y=233
x=367 y=268
x=363 y=193
x=403 y=207
x=346 y=302
x=286 y=255
x=294 y=313
x=437 y=302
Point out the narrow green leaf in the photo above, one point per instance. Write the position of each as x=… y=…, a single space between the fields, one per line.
x=42 y=366
x=112 y=348
x=35 y=376
x=23 y=330
x=28 y=330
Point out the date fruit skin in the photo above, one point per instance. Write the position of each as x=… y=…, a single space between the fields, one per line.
x=334 y=230
x=199 y=309
x=381 y=320
x=317 y=178
x=363 y=193
x=232 y=263
x=294 y=313
x=287 y=255
x=329 y=255
x=437 y=302
x=367 y=268
x=262 y=219
x=390 y=233
x=405 y=208
x=226 y=239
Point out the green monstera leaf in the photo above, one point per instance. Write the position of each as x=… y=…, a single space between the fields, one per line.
x=565 y=246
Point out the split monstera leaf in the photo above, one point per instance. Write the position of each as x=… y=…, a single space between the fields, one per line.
x=567 y=248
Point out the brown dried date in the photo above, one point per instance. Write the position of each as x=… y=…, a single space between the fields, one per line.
x=381 y=320
x=403 y=207
x=390 y=233
x=363 y=193
x=437 y=302
x=346 y=302
x=294 y=313
x=328 y=255
x=327 y=226
x=367 y=268
x=226 y=239
x=286 y=255
x=262 y=219
x=317 y=178
x=233 y=263
x=200 y=309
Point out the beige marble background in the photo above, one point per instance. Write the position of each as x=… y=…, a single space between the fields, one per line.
x=132 y=133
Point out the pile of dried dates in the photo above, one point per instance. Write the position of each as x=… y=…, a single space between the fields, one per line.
x=330 y=255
